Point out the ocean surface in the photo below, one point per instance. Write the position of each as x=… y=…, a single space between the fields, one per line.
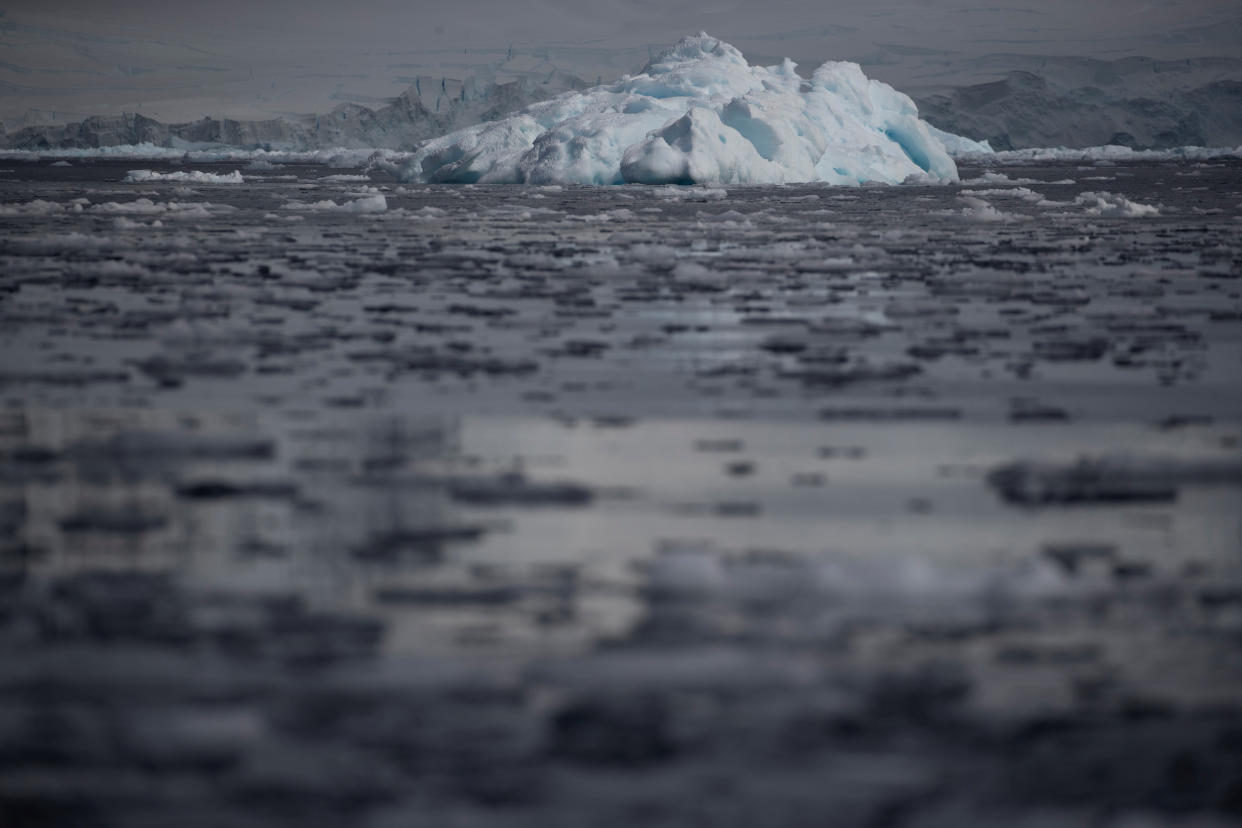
x=331 y=500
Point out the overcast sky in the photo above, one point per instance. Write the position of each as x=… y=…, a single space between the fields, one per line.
x=253 y=57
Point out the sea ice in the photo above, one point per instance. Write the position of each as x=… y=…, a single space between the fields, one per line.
x=1112 y=204
x=1024 y=193
x=367 y=204
x=1106 y=154
x=192 y=176
x=995 y=179
x=700 y=114
x=179 y=209
x=38 y=207
x=977 y=209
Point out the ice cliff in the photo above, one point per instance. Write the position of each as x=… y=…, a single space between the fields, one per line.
x=696 y=114
x=430 y=107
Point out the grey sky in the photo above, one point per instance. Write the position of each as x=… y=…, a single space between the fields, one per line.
x=247 y=58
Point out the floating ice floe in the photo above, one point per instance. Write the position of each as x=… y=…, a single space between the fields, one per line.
x=977 y=209
x=1023 y=193
x=995 y=179
x=1112 y=204
x=367 y=204
x=38 y=207
x=700 y=114
x=685 y=572
x=177 y=209
x=1102 y=155
x=192 y=176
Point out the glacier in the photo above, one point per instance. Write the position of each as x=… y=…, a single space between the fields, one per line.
x=699 y=113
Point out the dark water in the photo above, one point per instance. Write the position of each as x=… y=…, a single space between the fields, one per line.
x=682 y=506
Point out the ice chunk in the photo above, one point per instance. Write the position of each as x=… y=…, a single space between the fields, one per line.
x=977 y=209
x=178 y=209
x=959 y=145
x=1111 y=204
x=38 y=207
x=367 y=204
x=697 y=114
x=1110 y=153
x=192 y=176
x=1024 y=193
x=996 y=179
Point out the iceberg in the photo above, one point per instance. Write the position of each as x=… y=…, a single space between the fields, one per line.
x=959 y=146
x=700 y=114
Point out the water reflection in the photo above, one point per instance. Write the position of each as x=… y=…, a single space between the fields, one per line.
x=314 y=618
